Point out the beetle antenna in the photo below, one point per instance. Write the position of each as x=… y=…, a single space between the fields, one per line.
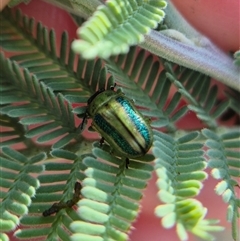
x=83 y=121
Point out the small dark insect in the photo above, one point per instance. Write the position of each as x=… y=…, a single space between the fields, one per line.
x=56 y=207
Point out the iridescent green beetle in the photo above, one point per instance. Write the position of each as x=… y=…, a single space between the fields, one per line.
x=118 y=121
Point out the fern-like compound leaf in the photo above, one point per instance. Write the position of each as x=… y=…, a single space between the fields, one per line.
x=224 y=161
x=40 y=88
x=201 y=97
x=67 y=168
x=111 y=195
x=35 y=100
x=180 y=208
x=117 y=25
x=18 y=186
x=43 y=76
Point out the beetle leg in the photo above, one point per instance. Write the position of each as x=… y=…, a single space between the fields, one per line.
x=83 y=121
x=147 y=119
x=101 y=141
x=127 y=162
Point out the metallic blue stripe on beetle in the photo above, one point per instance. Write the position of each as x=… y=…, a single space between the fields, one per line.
x=120 y=124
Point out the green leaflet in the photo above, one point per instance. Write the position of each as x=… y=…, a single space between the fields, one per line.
x=237 y=58
x=16 y=2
